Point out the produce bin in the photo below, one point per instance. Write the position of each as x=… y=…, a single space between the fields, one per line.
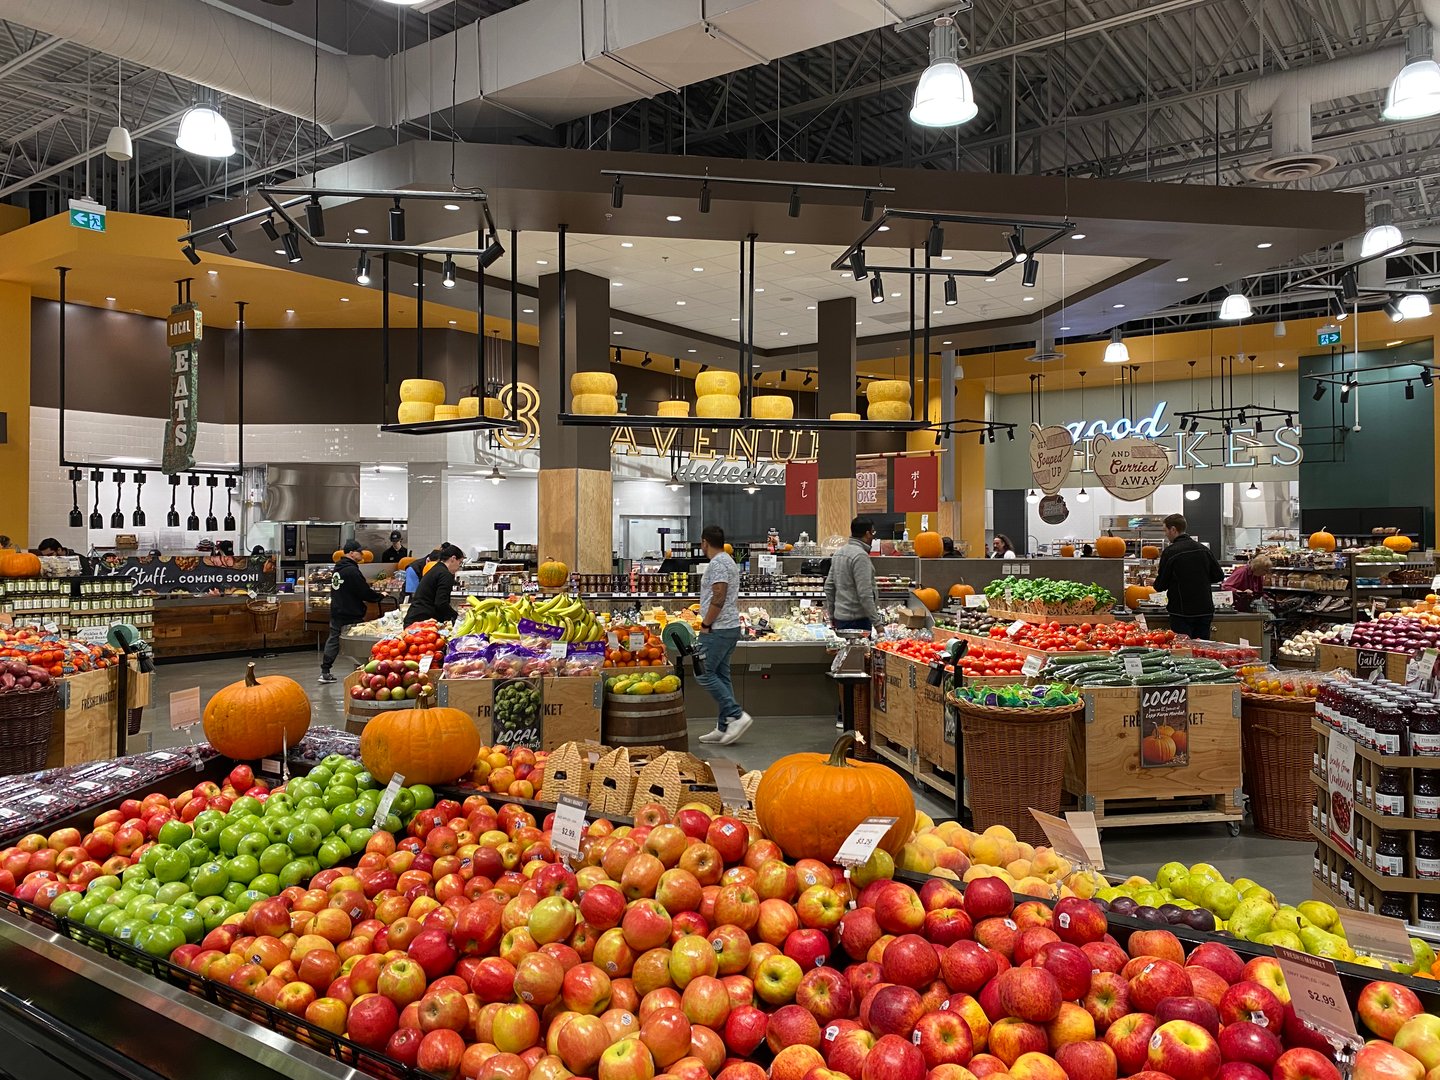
x=559 y=709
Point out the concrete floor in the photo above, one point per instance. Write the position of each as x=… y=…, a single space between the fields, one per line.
x=1281 y=865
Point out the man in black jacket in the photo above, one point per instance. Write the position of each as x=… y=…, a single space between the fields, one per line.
x=1187 y=570
x=432 y=597
x=349 y=593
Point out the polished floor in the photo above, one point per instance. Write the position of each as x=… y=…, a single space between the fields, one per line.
x=1281 y=865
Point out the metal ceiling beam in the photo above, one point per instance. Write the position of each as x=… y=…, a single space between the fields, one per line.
x=30 y=55
x=81 y=158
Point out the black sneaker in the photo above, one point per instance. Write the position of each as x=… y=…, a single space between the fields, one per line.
x=326 y=677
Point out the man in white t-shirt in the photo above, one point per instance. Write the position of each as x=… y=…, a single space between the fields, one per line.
x=719 y=633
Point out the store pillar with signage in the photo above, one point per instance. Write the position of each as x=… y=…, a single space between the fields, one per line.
x=835 y=350
x=574 y=517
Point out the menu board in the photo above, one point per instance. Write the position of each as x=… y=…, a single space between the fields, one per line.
x=189 y=575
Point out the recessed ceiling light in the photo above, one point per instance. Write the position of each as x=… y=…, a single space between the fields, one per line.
x=109 y=299
x=617 y=333
x=789 y=251
x=289 y=311
x=1077 y=236
x=937 y=311
x=626 y=244
x=672 y=217
x=679 y=303
x=1281 y=364
x=344 y=299
x=784 y=333
x=616 y=284
x=1028 y=299
x=1117 y=307
x=946 y=258
x=698 y=269
x=452 y=206
x=845 y=274
x=1265 y=245
x=810 y=308
x=760 y=288
x=362 y=232
x=1064 y=328
x=212 y=273
x=734 y=318
x=1182 y=280
x=883 y=228
x=690 y=350
x=452 y=321
x=542 y=262
x=990 y=279
x=894 y=295
x=947 y=343
x=527 y=311
x=279 y=251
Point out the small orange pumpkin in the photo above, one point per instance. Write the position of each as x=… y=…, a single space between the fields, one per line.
x=552 y=573
x=1110 y=547
x=257 y=717
x=425 y=745
x=404 y=563
x=849 y=790
x=962 y=590
x=1397 y=543
x=367 y=556
x=17 y=564
x=929 y=597
x=1135 y=593
x=337 y=555
x=1149 y=551
x=929 y=545
x=1067 y=551
x=1321 y=541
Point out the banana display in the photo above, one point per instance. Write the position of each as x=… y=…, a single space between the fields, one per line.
x=500 y=619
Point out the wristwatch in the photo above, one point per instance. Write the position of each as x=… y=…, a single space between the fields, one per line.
x=705 y=626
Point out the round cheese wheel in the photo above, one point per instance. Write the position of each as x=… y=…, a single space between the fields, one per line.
x=447 y=412
x=593 y=382
x=772 y=407
x=888 y=410
x=718 y=406
x=717 y=383
x=493 y=409
x=673 y=408
x=888 y=390
x=431 y=391
x=594 y=404
x=844 y=416
x=469 y=407
x=416 y=412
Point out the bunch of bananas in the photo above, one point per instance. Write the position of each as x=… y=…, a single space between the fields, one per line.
x=500 y=619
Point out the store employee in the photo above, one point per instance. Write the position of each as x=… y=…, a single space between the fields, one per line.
x=432 y=597
x=396 y=551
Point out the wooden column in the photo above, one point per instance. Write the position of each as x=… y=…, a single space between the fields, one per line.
x=835 y=349
x=575 y=511
x=15 y=404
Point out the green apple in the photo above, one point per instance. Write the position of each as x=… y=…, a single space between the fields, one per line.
x=111 y=922
x=304 y=838
x=188 y=901
x=404 y=803
x=210 y=879
x=133 y=875
x=234 y=891
x=242 y=868
x=279 y=826
x=309 y=802
x=321 y=774
x=294 y=872
x=171 y=892
x=274 y=857
x=104 y=881
x=246 y=806
x=196 y=850
x=265 y=884
x=333 y=850
x=335 y=761
x=153 y=855
x=424 y=796
x=172 y=866
x=175 y=832
x=207 y=826
x=337 y=795
x=213 y=911
x=160 y=940
x=99 y=913
x=123 y=895
x=279 y=804
x=228 y=842
x=150 y=886
x=358 y=838
x=190 y=923
x=248 y=897
x=253 y=843
x=66 y=903
x=302 y=788
x=321 y=819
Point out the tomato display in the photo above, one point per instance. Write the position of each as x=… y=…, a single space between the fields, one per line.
x=55 y=654
x=1083 y=637
x=988 y=660
x=419 y=640
x=917 y=649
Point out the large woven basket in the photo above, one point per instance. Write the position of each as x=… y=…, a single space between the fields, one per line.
x=1014 y=760
x=26 y=719
x=1277 y=747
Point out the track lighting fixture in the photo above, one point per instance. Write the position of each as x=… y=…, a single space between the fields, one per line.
x=1349 y=286
x=211 y=523
x=935 y=241
x=1236 y=304
x=1259 y=425
x=315 y=217
x=267 y=223
x=1289 y=420
x=1392 y=308
x=867 y=207
x=362 y=269
x=1426 y=378
x=172 y=519
x=617 y=355
x=1117 y=352
x=496 y=477
x=990 y=436
x=1009 y=434
x=1030 y=273
x=137 y=519
x=857 y=264
x=646 y=362
x=704 y=368
x=704 y=196
x=190 y=253
x=1345 y=389
x=1338 y=311
x=97 y=519
x=447 y=272
x=1241 y=417
x=1082 y=496
x=794 y=202
x=951 y=295
x=117 y=519
x=1017 y=247
x=1319 y=391
x=809 y=378
x=943 y=96
x=493 y=251
x=981 y=439
x=1409 y=390
x=617 y=193
x=77 y=518
x=677 y=368
x=397 y=223
x=227 y=240
x=1226 y=427
x=291 y=243
x=1414 y=304
x=877 y=290
x=192 y=523
x=229 y=493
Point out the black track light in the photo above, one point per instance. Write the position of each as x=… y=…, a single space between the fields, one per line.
x=190 y=253
x=211 y=523
x=1409 y=390
x=617 y=354
x=646 y=362
x=991 y=435
x=877 y=290
x=1319 y=391
x=952 y=296
x=137 y=519
x=1349 y=285
x=291 y=243
x=1259 y=424
x=704 y=368
x=1351 y=384
x=857 y=264
x=705 y=197
x=397 y=223
x=1227 y=427
x=172 y=519
x=1338 y=311
x=447 y=272
x=229 y=494
x=117 y=519
x=77 y=518
x=1030 y=273
x=617 y=194
x=362 y=269
x=315 y=217
x=97 y=519
x=867 y=207
x=1017 y=247
x=1426 y=378
x=492 y=251
x=809 y=377
x=1242 y=416
x=227 y=240
x=192 y=523
x=935 y=241
x=268 y=224
x=677 y=365
x=1289 y=420
x=794 y=202
x=1392 y=308
x=1010 y=434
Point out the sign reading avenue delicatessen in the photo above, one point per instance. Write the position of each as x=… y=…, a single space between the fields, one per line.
x=189 y=575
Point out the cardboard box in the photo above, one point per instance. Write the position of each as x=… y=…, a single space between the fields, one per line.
x=84 y=724
x=568 y=708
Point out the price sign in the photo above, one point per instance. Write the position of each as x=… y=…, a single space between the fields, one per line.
x=614 y=639
x=184 y=708
x=52 y=627
x=805 y=603
x=1141 y=622
x=1078 y=841
x=975 y=600
x=270 y=766
x=1317 y=994
x=1133 y=667
x=558 y=650
x=387 y=799
x=1244 y=643
x=863 y=840
x=637 y=640
x=1346 y=629
x=425 y=662
x=1014 y=628
x=768 y=563
x=727 y=782
x=1379 y=936
x=569 y=825
x=1435 y=583
x=489 y=569
x=1033 y=665
x=93 y=635
x=1082 y=824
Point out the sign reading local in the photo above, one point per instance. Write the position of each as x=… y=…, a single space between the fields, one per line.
x=183 y=331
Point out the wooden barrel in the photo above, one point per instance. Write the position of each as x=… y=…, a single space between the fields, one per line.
x=645 y=720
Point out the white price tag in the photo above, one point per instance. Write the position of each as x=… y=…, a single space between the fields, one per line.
x=1082 y=824
x=1034 y=664
x=768 y=562
x=1141 y=622
x=425 y=662
x=569 y=826
x=975 y=600
x=92 y=635
x=1067 y=839
x=637 y=640
x=805 y=603
x=1133 y=667
x=1317 y=994
x=863 y=840
x=558 y=650
x=1244 y=643
x=614 y=639
x=52 y=627
x=387 y=799
x=1378 y=936
x=1346 y=629
x=122 y=772
x=184 y=708
x=1014 y=628
x=727 y=782
x=489 y=569
x=1435 y=583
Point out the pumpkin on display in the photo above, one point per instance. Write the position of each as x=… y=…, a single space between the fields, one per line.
x=367 y=556
x=1322 y=541
x=257 y=717
x=929 y=545
x=19 y=564
x=850 y=791
x=1110 y=547
x=426 y=745
x=1149 y=551
x=404 y=564
x=552 y=573
x=929 y=597
x=1400 y=544
x=962 y=590
x=1067 y=551
x=336 y=555
x=1135 y=593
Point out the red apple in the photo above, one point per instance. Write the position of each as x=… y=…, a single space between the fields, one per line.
x=1012 y=1038
x=1184 y=1050
x=1079 y=921
x=988 y=897
x=1091 y=1060
x=1156 y=980
x=1031 y=994
x=1219 y=958
x=1250 y=1001
x=894 y=1010
x=893 y=1058
x=372 y=1020
x=440 y=1052
x=1302 y=1063
x=1244 y=1041
x=944 y=1039
x=791 y=1025
x=666 y=1034
x=967 y=966
x=1070 y=966
x=898 y=909
x=1129 y=1037
x=1108 y=999
x=858 y=931
x=1385 y=1006
x=825 y=993
x=1196 y=1010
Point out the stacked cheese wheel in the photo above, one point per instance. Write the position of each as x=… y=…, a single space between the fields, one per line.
x=772 y=407
x=418 y=400
x=844 y=416
x=717 y=394
x=889 y=399
x=593 y=393
x=471 y=407
x=673 y=408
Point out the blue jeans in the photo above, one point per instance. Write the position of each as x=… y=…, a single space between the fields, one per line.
x=715 y=648
x=1197 y=627
x=852 y=624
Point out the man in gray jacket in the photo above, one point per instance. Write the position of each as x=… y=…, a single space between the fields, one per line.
x=850 y=594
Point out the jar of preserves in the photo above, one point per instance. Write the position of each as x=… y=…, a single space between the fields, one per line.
x=1425 y=802
x=1395 y=906
x=1389 y=855
x=1427 y=856
x=1389 y=797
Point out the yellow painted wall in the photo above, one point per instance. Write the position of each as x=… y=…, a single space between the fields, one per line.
x=15 y=404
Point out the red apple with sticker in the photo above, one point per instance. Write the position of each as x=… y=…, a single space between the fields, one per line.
x=825 y=993
x=943 y=1038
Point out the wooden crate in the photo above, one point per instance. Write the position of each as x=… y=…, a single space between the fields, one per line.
x=894 y=682
x=1344 y=658
x=1061 y=620
x=570 y=707
x=83 y=728
x=934 y=740
x=1102 y=765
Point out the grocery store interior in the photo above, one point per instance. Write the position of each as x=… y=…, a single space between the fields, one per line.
x=485 y=482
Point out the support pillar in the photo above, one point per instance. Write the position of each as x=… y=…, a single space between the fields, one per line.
x=835 y=353
x=15 y=405
x=575 y=505
x=427 y=508
x=968 y=513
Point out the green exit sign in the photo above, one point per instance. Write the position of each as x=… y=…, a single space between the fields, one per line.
x=1328 y=335
x=87 y=215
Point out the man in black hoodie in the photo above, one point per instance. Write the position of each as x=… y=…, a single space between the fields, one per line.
x=1187 y=570
x=349 y=593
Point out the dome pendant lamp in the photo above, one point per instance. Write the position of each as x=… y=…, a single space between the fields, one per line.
x=943 y=96
x=1236 y=305
x=1117 y=352
x=1415 y=93
x=1382 y=234
x=205 y=133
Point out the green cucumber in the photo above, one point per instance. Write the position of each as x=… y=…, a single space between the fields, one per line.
x=1160 y=678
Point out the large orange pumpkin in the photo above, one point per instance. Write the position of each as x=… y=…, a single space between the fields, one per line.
x=1322 y=541
x=929 y=597
x=850 y=791
x=962 y=590
x=367 y=556
x=929 y=545
x=1396 y=543
x=425 y=745
x=552 y=573
x=1110 y=547
x=257 y=717
x=1149 y=551
x=19 y=564
x=1135 y=593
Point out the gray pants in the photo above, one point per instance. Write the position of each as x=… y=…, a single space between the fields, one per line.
x=332 y=643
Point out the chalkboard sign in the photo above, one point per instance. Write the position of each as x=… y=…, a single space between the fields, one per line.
x=517 y=714
x=192 y=575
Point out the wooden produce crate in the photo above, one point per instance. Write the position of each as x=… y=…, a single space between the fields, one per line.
x=1062 y=620
x=935 y=727
x=84 y=725
x=1104 y=773
x=569 y=709
x=1344 y=658
x=894 y=684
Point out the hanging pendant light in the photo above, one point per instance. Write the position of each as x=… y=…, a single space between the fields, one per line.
x=1082 y=496
x=1415 y=93
x=172 y=519
x=117 y=518
x=496 y=477
x=97 y=519
x=1236 y=304
x=1191 y=494
x=77 y=516
x=944 y=96
x=229 y=494
x=1032 y=496
x=118 y=144
x=192 y=523
x=1382 y=235
x=1117 y=352
x=205 y=133
x=212 y=524
x=1253 y=491
x=1414 y=304
x=674 y=484
x=137 y=519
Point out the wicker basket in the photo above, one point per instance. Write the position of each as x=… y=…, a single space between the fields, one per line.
x=567 y=772
x=674 y=779
x=264 y=614
x=1277 y=747
x=26 y=717
x=1014 y=760
x=861 y=692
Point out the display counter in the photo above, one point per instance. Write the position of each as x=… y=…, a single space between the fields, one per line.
x=1228 y=626
x=210 y=625
x=772 y=678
